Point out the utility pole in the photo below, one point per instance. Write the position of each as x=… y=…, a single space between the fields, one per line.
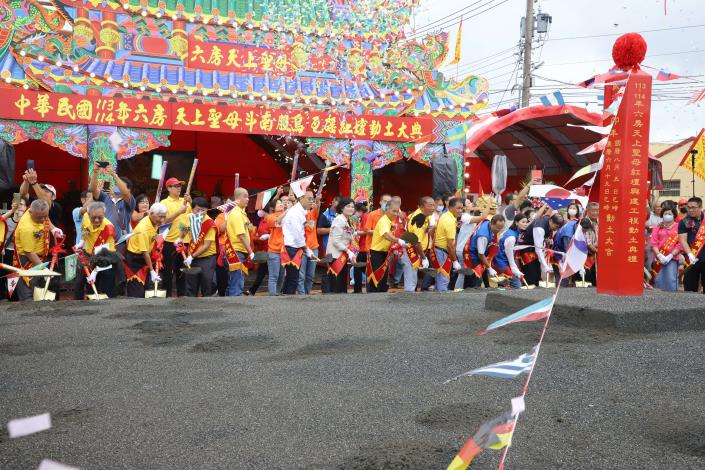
x=528 y=40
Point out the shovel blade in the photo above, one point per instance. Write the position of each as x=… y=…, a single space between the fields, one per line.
x=150 y=294
x=97 y=296
x=40 y=295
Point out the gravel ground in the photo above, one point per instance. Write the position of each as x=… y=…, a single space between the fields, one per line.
x=349 y=382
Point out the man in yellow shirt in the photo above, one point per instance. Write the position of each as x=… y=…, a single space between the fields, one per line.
x=415 y=255
x=32 y=245
x=97 y=235
x=443 y=254
x=178 y=209
x=382 y=240
x=238 y=249
x=139 y=269
x=202 y=250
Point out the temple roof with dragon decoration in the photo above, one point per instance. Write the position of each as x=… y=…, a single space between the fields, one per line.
x=327 y=54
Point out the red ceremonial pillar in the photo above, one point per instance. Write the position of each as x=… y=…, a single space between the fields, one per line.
x=623 y=193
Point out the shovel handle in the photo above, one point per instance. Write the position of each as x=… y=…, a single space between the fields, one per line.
x=9 y=267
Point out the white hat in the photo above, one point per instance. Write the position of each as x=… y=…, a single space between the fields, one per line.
x=50 y=188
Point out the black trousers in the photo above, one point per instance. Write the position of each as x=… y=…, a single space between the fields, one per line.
x=201 y=282
x=532 y=272
x=26 y=292
x=135 y=288
x=339 y=284
x=358 y=272
x=173 y=263
x=377 y=259
x=291 y=278
x=694 y=277
x=557 y=276
x=104 y=283
x=262 y=271
x=222 y=277
x=591 y=275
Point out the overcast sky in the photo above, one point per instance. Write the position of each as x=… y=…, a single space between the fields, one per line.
x=487 y=36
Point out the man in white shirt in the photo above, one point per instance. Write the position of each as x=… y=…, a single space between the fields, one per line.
x=293 y=228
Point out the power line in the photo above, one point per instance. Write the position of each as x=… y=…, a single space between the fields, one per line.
x=430 y=27
x=609 y=60
x=414 y=36
x=619 y=34
x=454 y=14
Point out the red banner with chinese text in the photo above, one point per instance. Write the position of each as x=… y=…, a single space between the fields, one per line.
x=26 y=105
x=238 y=58
x=623 y=193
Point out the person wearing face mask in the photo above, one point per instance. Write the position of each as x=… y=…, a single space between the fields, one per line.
x=534 y=262
x=414 y=255
x=505 y=260
x=561 y=241
x=340 y=247
x=443 y=252
x=202 y=248
x=484 y=245
x=665 y=244
x=468 y=224
x=382 y=240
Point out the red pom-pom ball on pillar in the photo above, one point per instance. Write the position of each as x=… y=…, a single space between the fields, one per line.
x=629 y=51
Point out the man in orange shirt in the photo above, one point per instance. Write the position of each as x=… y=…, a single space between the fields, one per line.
x=308 y=266
x=275 y=280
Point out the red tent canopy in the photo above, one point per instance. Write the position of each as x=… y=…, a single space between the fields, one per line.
x=541 y=137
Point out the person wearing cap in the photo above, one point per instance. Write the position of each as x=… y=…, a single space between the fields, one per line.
x=178 y=209
x=294 y=230
x=43 y=191
x=140 y=247
x=682 y=209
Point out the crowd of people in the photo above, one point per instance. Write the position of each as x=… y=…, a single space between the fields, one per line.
x=186 y=246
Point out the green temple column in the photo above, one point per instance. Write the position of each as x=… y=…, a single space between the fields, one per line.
x=100 y=149
x=361 y=171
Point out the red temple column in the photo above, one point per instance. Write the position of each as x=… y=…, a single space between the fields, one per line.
x=623 y=182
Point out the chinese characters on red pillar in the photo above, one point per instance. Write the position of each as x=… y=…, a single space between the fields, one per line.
x=623 y=193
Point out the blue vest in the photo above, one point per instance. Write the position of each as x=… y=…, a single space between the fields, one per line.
x=482 y=231
x=501 y=259
x=562 y=238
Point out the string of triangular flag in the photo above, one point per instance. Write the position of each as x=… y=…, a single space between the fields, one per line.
x=498 y=432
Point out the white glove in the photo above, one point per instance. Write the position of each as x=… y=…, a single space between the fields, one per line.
x=356 y=233
x=99 y=248
x=351 y=256
x=154 y=276
x=582 y=272
x=91 y=277
x=669 y=258
x=492 y=272
x=264 y=237
x=309 y=253
x=401 y=242
x=424 y=263
x=179 y=241
x=456 y=265
x=251 y=256
x=79 y=245
x=57 y=232
x=692 y=258
x=517 y=273
x=544 y=268
x=661 y=259
x=188 y=260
